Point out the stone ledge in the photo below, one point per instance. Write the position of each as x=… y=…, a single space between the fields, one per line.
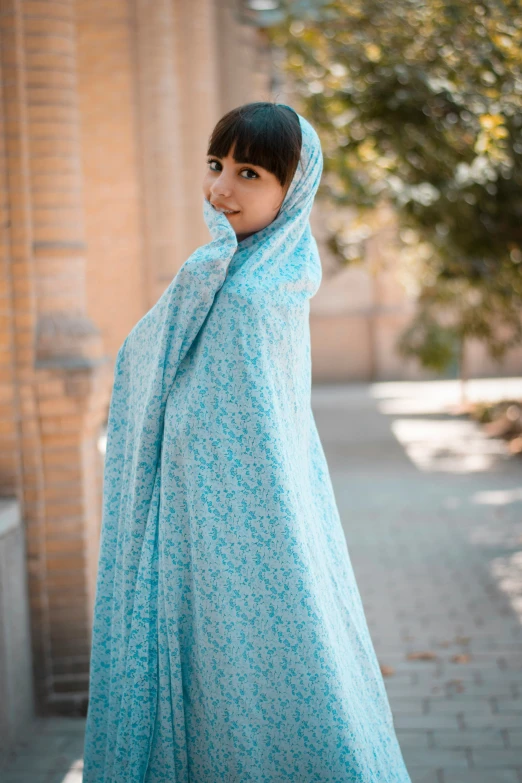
x=10 y=518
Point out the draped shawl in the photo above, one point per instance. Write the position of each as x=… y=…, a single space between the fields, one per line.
x=229 y=641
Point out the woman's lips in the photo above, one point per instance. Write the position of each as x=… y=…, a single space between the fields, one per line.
x=228 y=214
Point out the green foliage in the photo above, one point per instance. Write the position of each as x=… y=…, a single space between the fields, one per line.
x=419 y=103
x=435 y=346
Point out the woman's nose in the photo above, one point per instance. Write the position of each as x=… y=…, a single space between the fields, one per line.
x=221 y=186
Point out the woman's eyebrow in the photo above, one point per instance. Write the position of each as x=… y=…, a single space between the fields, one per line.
x=237 y=162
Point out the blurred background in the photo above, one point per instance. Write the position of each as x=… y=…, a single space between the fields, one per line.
x=105 y=113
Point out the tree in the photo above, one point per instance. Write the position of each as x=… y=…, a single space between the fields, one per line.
x=419 y=103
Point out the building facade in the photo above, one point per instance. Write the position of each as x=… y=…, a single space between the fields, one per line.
x=106 y=107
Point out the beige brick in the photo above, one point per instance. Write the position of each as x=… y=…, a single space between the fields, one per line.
x=7 y=394
x=63 y=44
x=64 y=546
x=60 y=580
x=56 y=528
x=23 y=320
x=67 y=473
x=62 y=459
x=63 y=510
x=50 y=388
x=48 y=8
x=57 y=407
x=60 y=424
x=6 y=373
x=8 y=428
x=40 y=24
x=64 y=491
x=65 y=563
x=55 y=440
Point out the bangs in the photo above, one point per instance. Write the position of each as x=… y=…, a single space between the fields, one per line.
x=264 y=134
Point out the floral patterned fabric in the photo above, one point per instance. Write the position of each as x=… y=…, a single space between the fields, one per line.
x=229 y=640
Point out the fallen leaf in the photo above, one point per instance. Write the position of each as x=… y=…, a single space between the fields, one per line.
x=422 y=656
x=462 y=658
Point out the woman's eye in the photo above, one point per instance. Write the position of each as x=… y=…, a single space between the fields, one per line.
x=249 y=171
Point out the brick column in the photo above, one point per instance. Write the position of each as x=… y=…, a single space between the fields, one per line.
x=162 y=154
x=243 y=59
x=232 y=67
x=197 y=64
x=61 y=380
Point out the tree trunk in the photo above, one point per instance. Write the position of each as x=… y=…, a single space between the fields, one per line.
x=462 y=372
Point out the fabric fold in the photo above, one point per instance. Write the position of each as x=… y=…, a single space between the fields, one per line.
x=229 y=638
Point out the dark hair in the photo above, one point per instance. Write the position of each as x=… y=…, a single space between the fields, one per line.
x=265 y=134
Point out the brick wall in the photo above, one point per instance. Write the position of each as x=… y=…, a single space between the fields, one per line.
x=106 y=107
x=56 y=378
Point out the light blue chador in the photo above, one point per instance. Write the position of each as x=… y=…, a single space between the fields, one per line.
x=229 y=641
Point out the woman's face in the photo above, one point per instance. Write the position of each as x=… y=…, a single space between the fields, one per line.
x=252 y=193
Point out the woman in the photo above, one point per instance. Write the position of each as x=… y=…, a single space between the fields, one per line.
x=229 y=640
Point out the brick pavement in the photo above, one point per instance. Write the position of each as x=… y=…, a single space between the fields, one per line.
x=435 y=541
x=436 y=544
x=51 y=752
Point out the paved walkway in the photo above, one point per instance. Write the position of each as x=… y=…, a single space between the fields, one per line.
x=432 y=513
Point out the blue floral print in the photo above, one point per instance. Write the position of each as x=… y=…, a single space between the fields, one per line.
x=229 y=639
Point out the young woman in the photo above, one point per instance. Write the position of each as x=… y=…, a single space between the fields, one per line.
x=229 y=641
